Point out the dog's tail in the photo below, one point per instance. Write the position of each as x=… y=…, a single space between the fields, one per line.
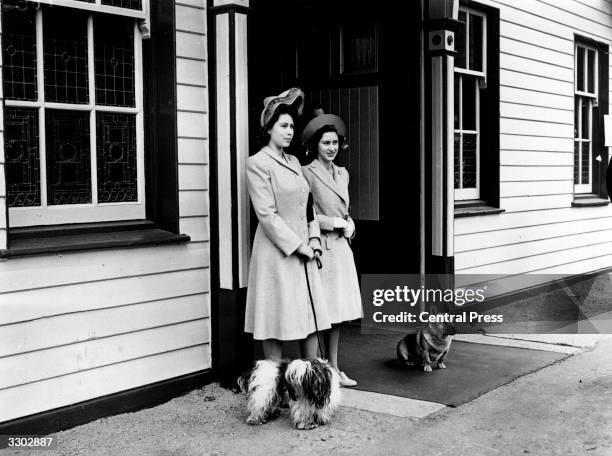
x=262 y=387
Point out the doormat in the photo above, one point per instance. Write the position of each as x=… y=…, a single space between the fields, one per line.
x=472 y=369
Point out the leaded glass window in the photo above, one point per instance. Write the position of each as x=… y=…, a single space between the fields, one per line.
x=73 y=118
x=470 y=76
x=585 y=100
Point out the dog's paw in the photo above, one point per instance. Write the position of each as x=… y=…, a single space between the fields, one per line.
x=427 y=368
x=441 y=366
x=255 y=420
x=305 y=425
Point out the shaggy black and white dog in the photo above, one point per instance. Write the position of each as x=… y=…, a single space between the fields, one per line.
x=310 y=387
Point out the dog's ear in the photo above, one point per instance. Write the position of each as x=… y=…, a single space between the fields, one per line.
x=317 y=384
x=244 y=380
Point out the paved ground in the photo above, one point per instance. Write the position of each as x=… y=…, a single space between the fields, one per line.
x=564 y=409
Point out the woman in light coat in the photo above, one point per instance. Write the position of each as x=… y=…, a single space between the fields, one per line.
x=324 y=136
x=278 y=304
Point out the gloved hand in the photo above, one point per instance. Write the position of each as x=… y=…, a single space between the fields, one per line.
x=306 y=252
x=349 y=231
x=340 y=223
x=315 y=244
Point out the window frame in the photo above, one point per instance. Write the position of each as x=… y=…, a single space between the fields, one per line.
x=91 y=212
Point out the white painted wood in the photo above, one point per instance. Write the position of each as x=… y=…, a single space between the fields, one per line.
x=193 y=204
x=191 y=72
x=78 y=267
x=75 y=213
x=540 y=262
x=601 y=6
x=518 y=111
x=242 y=148
x=533 y=66
x=78 y=387
x=489 y=223
x=94 y=324
x=28 y=305
x=193 y=177
x=2 y=235
x=530 y=97
x=518 y=236
x=536 y=158
x=522 y=80
x=513 y=189
x=534 y=173
x=532 y=203
x=533 y=128
x=580 y=266
x=192 y=125
x=193 y=150
x=563 y=56
x=195 y=3
x=476 y=258
x=100 y=352
x=192 y=98
x=224 y=170
x=198 y=228
x=190 y=45
x=535 y=37
x=534 y=143
x=190 y=19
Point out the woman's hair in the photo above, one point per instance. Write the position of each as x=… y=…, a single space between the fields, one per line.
x=282 y=109
x=313 y=144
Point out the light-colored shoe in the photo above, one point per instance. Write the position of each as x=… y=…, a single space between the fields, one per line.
x=345 y=381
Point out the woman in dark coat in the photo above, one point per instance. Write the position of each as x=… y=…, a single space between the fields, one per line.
x=324 y=136
x=278 y=304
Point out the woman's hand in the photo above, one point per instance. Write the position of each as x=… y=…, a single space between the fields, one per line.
x=340 y=223
x=349 y=230
x=306 y=252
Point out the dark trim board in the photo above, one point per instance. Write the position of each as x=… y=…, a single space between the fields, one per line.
x=125 y=401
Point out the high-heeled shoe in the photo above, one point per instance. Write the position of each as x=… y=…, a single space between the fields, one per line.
x=345 y=380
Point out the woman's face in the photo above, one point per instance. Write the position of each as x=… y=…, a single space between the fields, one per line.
x=281 y=132
x=328 y=147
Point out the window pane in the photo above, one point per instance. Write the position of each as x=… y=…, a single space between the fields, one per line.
x=460 y=41
x=576 y=162
x=19 y=54
x=591 y=71
x=114 y=60
x=577 y=103
x=580 y=69
x=457 y=105
x=68 y=158
x=469 y=103
x=586 y=112
x=65 y=55
x=457 y=160
x=585 y=162
x=22 y=158
x=131 y=4
x=475 y=43
x=116 y=157
x=468 y=162
x=359 y=47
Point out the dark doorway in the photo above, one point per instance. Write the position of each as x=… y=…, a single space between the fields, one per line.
x=359 y=60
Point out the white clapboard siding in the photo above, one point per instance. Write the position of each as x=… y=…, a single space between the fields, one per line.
x=589 y=9
x=27 y=273
x=524 y=80
x=540 y=261
x=192 y=150
x=533 y=66
x=189 y=19
x=535 y=128
x=525 y=96
x=192 y=125
x=189 y=98
x=68 y=389
x=190 y=47
x=521 y=235
x=197 y=227
x=532 y=37
x=190 y=72
x=193 y=204
x=534 y=203
x=535 y=173
x=513 y=189
x=535 y=51
x=76 y=327
x=510 y=252
x=193 y=177
x=518 y=142
x=28 y=305
x=195 y=3
x=538 y=113
x=99 y=352
x=535 y=158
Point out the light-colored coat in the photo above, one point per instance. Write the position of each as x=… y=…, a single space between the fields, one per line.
x=278 y=304
x=339 y=275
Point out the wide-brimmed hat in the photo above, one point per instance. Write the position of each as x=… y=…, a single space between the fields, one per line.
x=292 y=97
x=321 y=121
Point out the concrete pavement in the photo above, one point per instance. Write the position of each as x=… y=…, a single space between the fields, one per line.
x=563 y=409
